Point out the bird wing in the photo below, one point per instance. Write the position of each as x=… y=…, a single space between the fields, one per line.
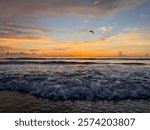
x=92 y=32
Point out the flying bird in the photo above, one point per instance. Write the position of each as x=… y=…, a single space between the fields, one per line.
x=92 y=31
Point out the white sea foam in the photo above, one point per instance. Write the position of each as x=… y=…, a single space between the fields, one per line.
x=78 y=81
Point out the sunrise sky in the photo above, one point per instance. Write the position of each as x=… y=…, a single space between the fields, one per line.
x=62 y=28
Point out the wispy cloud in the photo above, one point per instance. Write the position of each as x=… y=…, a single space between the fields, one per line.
x=12 y=31
x=61 y=49
x=124 y=36
x=105 y=29
x=131 y=29
x=21 y=38
x=16 y=54
x=34 y=8
x=5 y=48
x=85 y=21
x=144 y=15
x=13 y=26
x=96 y=2
x=33 y=50
x=19 y=18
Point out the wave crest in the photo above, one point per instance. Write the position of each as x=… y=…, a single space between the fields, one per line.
x=77 y=89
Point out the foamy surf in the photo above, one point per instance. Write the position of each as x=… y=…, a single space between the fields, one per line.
x=78 y=81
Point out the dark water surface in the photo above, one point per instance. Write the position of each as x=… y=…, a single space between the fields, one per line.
x=11 y=101
x=75 y=85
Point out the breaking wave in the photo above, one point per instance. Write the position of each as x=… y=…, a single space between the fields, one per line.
x=85 y=78
x=91 y=85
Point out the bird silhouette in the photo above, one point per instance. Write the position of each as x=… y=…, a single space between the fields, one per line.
x=92 y=31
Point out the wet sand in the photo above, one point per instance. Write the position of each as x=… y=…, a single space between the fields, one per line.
x=18 y=102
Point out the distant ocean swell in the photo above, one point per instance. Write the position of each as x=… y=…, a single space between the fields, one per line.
x=77 y=78
x=101 y=58
x=90 y=86
x=44 y=62
x=65 y=62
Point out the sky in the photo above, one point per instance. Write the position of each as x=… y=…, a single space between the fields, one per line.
x=61 y=28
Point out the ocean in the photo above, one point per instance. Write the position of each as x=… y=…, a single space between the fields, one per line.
x=75 y=84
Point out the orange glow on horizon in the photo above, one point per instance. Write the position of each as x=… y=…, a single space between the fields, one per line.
x=109 y=46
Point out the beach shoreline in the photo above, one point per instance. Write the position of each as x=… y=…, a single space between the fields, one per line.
x=20 y=102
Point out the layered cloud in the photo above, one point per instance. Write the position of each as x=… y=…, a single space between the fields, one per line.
x=125 y=36
x=26 y=24
x=12 y=31
x=4 y=48
x=91 y=8
x=18 y=18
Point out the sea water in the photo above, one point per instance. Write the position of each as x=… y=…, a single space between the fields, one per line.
x=80 y=81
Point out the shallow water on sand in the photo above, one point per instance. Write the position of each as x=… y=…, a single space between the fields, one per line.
x=12 y=101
